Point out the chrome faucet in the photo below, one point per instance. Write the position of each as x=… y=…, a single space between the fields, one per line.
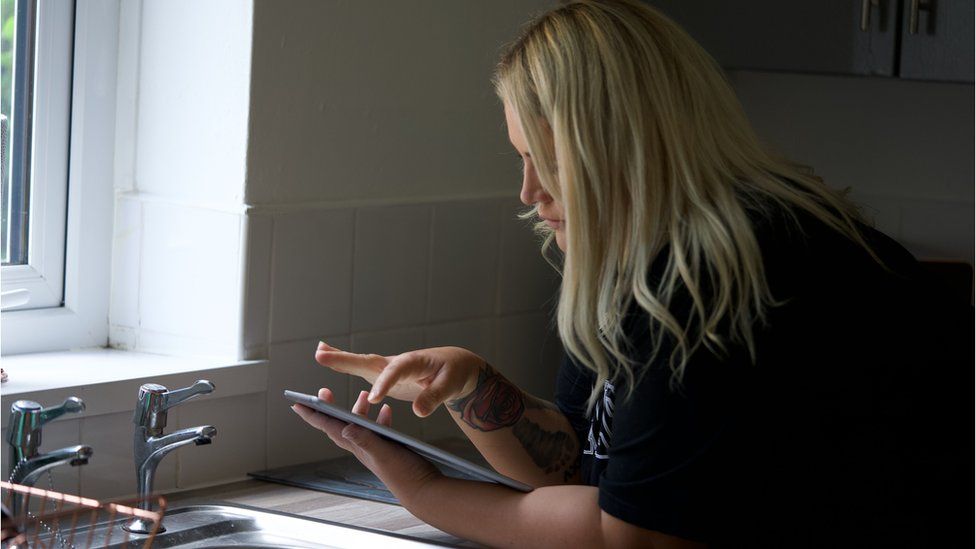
x=26 y=419
x=150 y=445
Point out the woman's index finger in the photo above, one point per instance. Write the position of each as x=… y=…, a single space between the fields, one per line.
x=401 y=368
x=350 y=362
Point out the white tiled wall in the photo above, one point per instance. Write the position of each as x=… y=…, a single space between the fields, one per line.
x=293 y=367
x=522 y=286
x=390 y=267
x=126 y=263
x=196 y=253
x=372 y=279
x=527 y=346
x=231 y=238
x=464 y=260
x=312 y=274
x=383 y=100
x=387 y=279
x=476 y=335
x=239 y=446
x=169 y=258
x=258 y=234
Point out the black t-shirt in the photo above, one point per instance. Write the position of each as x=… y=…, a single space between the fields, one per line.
x=853 y=427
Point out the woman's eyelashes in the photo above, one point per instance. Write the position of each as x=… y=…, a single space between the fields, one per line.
x=521 y=163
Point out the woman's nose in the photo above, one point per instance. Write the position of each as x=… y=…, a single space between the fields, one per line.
x=532 y=191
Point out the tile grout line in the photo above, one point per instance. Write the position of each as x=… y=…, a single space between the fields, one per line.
x=352 y=290
x=431 y=220
x=501 y=218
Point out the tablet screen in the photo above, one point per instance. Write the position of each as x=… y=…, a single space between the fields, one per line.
x=426 y=450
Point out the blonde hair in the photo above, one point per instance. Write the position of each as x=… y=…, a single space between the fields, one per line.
x=634 y=129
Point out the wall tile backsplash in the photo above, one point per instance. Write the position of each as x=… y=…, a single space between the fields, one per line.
x=367 y=278
x=464 y=260
x=241 y=423
x=477 y=336
x=422 y=275
x=529 y=352
x=391 y=267
x=289 y=439
x=258 y=242
x=196 y=241
x=526 y=281
x=311 y=274
x=126 y=262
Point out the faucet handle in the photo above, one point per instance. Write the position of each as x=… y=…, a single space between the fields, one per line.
x=27 y=417
x=199 y=387
x=155 y=399
x=70 y=405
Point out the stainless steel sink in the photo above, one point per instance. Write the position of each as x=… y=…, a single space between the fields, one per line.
x=224 y=525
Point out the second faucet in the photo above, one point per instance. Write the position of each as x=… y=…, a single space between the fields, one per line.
x=150 y=445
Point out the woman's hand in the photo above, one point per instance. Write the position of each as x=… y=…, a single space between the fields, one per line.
x=403 y=471
x=428 y=377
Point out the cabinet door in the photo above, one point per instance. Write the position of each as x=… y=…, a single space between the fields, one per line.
x=941 y=48
x=795 y=35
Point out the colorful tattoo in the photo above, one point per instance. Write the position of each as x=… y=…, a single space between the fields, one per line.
x=496 y=403
x=493 y=404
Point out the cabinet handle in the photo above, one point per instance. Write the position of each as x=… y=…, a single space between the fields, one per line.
x=866 y=6
x=917 y=6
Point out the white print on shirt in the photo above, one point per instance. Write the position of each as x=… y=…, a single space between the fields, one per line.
x=601 y=425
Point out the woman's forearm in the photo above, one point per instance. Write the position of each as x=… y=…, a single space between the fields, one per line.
x=552 y=516
x=555 y=516
x=522 y=437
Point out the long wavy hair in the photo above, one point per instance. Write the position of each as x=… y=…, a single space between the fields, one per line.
x=633 y=127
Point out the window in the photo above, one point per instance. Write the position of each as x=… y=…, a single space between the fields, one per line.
x=37 y=61
x=10 y=247
x=65 y=150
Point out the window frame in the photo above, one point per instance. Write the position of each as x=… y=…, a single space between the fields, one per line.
x=47 y=158
x=81 y=320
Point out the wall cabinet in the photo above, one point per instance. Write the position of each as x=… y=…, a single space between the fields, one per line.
x=917 y=39
x=938 y=45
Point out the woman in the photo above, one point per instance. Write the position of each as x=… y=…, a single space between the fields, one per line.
x=739 y=339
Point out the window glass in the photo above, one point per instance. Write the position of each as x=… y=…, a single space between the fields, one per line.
x=16 y=56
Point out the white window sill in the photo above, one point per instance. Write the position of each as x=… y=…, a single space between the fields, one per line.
x=108 y=380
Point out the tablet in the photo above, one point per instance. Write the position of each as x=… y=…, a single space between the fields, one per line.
x=426 y=450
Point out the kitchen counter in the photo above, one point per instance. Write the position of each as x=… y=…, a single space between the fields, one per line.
x=319 y=505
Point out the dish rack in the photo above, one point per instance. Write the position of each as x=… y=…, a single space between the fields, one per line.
x=52 y=519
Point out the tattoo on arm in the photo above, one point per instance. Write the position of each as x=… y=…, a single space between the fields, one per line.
x=496 y=403
x=572 y=470
x=550 y=451
x=534 y=403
